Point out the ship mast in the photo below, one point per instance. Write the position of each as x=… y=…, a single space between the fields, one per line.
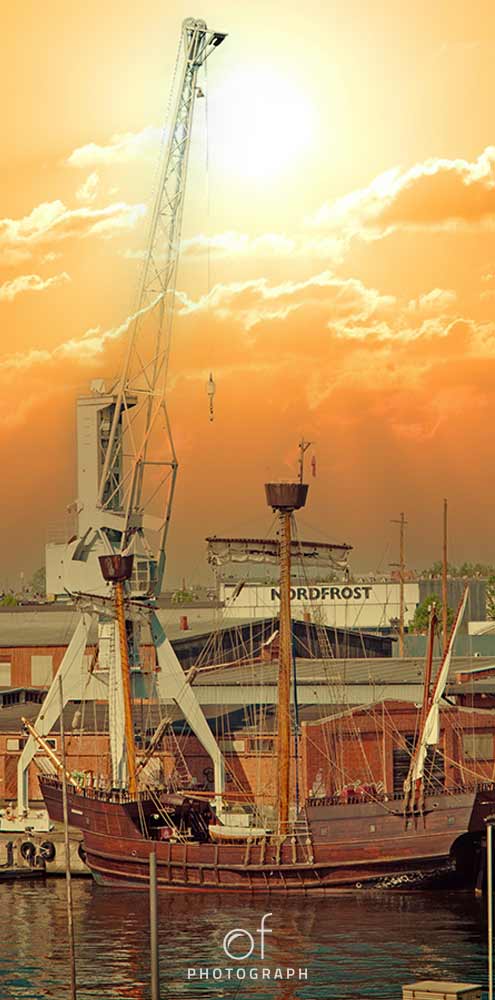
x=445 y=633
x=284 y=498
x=429 y=734
x=117 y=570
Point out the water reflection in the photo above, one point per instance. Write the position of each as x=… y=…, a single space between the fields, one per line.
x=353 y=947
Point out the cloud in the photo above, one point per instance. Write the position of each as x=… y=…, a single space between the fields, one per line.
x=53 y=221
x=255 y=301
x=50 y=256
x=436 y=194
x=12 y=256
x=89 y=189
x=437 y=302
x=125 y=147
x=335 y=309
x=16 y=417
x=90 y=345
x=29 y=283
x=267 y=246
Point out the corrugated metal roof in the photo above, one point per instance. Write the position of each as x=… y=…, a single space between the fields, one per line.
x=35 y=627
x=32 y=627
x=345 y=673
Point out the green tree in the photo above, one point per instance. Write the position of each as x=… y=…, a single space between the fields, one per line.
x=466 y=569
x=38 y=581
x=183 y=597
x=490 y=598
x=422 y=616
x=8 y=601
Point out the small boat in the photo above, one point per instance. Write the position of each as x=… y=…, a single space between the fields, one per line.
x=16 y=872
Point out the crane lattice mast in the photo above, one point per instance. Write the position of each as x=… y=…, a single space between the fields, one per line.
x=129 y=484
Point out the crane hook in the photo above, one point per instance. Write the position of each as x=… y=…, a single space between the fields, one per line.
x=211 y=389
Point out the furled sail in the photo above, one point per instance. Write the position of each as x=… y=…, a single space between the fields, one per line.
x=266 y=550
x=431 y=729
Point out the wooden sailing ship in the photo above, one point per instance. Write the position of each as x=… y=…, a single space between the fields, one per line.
x=413 y=839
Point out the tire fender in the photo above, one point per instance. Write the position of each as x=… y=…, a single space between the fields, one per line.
x=28 y=851
x=48 y=850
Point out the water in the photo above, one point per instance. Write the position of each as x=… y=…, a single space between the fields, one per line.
x=352 y=946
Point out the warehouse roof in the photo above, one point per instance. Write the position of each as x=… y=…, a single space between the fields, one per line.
x=30 y=626
x=35 y=626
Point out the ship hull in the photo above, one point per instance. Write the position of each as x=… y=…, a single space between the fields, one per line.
x=51 y=790
x=359 y=846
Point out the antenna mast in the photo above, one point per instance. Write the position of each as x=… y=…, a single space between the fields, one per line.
x=402 y=570
x=303 y=447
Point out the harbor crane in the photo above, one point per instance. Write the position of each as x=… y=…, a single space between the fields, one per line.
x=127 y=469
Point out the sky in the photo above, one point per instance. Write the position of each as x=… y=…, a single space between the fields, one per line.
x=337 y=272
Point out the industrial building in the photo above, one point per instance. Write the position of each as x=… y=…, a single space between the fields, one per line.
x=348 y=712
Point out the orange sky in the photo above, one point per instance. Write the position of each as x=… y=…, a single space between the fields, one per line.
x=338 y=273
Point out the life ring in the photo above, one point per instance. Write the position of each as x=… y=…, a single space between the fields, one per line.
x=359 y=885
x=47 y=850
x=28 y=851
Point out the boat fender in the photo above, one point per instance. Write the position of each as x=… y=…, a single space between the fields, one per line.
x=81 y=852
x=47 y=850
x=28 y=851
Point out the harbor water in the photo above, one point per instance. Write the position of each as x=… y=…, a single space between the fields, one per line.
x=345 y=947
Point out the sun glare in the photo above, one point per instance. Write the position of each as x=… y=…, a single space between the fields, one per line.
x=263 y=124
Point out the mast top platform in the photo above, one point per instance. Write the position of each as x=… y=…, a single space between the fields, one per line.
x=116 y=569
x=286 y=497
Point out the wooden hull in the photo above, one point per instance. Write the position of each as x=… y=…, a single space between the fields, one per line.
x=358 y=846
x=51 y=789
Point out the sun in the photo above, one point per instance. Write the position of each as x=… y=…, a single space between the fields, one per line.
x=261 y=124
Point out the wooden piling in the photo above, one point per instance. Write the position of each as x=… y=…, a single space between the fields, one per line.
x=155 y=967
x=68 y=882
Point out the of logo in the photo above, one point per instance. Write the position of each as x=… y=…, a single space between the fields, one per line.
x=239 y=932
x=239 y=945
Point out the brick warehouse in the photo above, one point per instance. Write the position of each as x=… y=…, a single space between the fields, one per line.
x=235 y=694
x=346 y=750
x=33 y=642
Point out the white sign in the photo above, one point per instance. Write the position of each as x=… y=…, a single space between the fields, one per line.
x=345 y=605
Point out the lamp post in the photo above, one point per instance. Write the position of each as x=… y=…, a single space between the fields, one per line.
x=490 y=823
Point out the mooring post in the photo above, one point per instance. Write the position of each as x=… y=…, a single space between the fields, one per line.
x=489 y=895
x=68 y=883
x=155 y=968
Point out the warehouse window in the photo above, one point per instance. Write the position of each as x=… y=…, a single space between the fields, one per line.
x=434 y=773
x=50 y=742
x=5 y=674
x=261 y=744
x=41 y=671
x=478 y=746
x=232 y=746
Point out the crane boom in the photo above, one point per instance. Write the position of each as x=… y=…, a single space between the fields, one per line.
x=130 y=483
